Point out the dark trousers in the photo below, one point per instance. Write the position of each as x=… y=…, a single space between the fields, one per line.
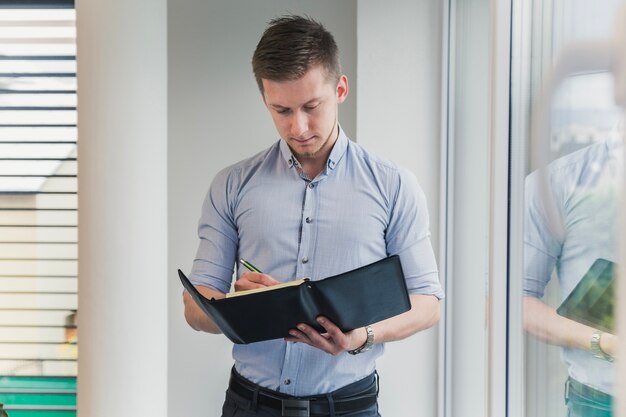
x=584 y=401
x=237 y=406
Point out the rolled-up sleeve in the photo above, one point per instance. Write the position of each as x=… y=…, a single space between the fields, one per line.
x=214 y=263
x=541 y=247
x=408 y=235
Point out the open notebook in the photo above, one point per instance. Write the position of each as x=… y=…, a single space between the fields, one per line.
x=351 y=300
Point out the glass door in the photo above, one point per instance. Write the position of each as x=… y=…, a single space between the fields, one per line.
x=567 y=156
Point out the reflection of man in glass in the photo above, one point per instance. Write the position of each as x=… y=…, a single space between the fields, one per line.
x=584 y=187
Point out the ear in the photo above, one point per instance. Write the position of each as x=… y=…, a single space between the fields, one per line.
x=342 y=89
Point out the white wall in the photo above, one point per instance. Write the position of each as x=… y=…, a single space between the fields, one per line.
x=216 y=117
x=122 y=195
x=398 y=115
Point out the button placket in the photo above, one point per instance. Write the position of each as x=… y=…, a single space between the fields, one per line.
x=306 y=239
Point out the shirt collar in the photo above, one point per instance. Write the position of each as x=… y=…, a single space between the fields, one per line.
x=339 y=149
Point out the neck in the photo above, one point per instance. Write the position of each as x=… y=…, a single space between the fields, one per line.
x=312 y=169
x=313 y=166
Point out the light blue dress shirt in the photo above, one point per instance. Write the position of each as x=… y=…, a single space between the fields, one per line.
x=586 y=186
x=359 y=209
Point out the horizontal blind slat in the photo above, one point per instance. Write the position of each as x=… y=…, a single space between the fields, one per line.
x=33 y=317
x=25 y=284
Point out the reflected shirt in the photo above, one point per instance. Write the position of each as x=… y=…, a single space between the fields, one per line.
x=359 y=209
x=585 y=185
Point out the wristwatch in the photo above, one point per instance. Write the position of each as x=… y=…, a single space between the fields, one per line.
x=369 y=342
x=596 y=350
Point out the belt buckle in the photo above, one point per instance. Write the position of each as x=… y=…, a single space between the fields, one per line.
x=295 y=408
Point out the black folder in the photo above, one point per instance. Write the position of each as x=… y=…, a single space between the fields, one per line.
x=592 y=301
x=351 y=300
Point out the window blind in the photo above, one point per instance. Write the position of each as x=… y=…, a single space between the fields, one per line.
x=38 y=192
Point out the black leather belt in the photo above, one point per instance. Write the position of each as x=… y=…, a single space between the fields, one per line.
x=302 y=406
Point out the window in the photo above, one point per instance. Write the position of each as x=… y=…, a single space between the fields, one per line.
x=571 y=199
x=38 y=209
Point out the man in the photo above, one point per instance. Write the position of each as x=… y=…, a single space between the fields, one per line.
x=584 y=187
x=314 y=204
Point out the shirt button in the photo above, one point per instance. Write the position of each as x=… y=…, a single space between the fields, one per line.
x=287 y=381
x=311 y=185
x=308 y=220
x=305 y=260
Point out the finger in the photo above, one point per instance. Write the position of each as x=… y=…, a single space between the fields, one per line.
x=331 y=328
x=314 y=338
x=340 y=340
x=259 y=278
x=244 y=284
x=297 y=336
x=268 y=280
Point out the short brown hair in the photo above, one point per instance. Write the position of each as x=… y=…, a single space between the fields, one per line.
x=290 y=46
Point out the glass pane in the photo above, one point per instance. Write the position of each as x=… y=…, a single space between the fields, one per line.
x=38 y=83
x=37 y=184
x=49 y=285
x=39 y=201
x=39 y=218
x=37 y=117
x=32 y=335
x=38 y=234
x=31 y=100
x=28 y=318
x=35 y=351
x=38 y=15
x=41 y=31
x=41 y=250
x=46 y=66
x=37 y=134
x=40 y=367
x=572 y=204
x=34 y=49
x=35 y=150
x=38 y=267
x=40 y=168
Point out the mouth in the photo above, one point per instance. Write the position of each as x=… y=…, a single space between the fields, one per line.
x=304 y=141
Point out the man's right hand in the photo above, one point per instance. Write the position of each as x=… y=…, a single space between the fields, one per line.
x=251 y=280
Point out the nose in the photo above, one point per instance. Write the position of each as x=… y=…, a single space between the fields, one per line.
x=299 y=124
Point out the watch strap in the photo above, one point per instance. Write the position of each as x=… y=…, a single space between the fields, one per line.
x=595 y=348
x=369 y=342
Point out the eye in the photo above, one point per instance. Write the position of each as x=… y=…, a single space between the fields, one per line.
x=311 y=107
x=282 y=111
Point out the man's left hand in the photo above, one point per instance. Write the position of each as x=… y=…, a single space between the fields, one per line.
x=333 y=341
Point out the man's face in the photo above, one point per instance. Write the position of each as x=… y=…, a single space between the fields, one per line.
x=305 y=112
